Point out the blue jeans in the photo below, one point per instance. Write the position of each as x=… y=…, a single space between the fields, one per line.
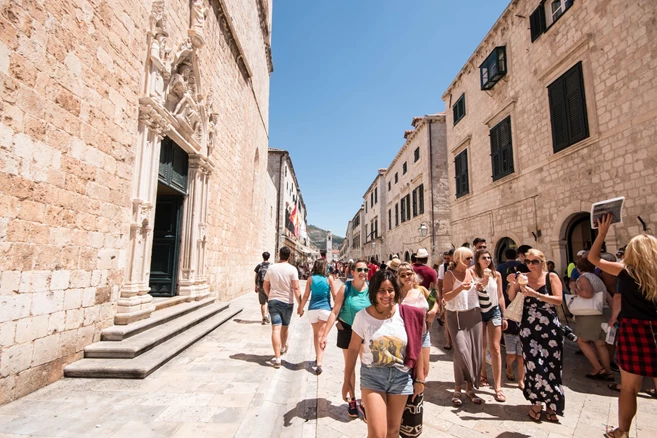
x=280 y=312
x=388 y=380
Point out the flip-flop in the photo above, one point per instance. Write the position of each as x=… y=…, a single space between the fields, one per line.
x=534 y=415
x=614 y=387
x=483 y=381
x=473 y=398
x=615 y=433
x=552 y=417
x=447 y=347
x=651 y=392
x=499 y=396
x=509 y=376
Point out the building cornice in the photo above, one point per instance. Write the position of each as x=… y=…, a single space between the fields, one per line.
x=470 y=62
x=409 y=135
x=266 y=35
x=380 y=174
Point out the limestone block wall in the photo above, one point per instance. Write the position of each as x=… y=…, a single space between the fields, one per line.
x=71 y=74
x=612 y=40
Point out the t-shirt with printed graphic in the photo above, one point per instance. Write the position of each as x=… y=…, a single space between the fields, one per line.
x=384 y=340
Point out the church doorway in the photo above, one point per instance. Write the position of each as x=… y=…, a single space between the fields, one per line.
x=171 y=194
x=579 y=235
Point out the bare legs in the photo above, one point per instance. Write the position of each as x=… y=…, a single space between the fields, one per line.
x=590 y=353
x=318 y=329
x=494 y=337
x=384 y=413
x=353 y=375
x=510 y=358
x=278 y=338
x=630 y=387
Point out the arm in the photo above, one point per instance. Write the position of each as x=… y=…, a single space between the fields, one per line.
x=332 y=285
x=256 y=279
x=306 y=296
x=500 y=298
x=452 y=292
x=584 y=288
x=296 y=290
x=420 y=375
x=615 y=309
x=350 y=364
x=266 y=286
x=555 y=299
x=339 y=299
x=513 y=289
x=612 y=268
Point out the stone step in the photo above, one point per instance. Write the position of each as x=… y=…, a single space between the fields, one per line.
x=145 y=364
x=163 y=303
x=120 y=332
x=144 y=341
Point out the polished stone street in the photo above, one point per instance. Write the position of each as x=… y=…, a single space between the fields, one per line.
x=225 y=386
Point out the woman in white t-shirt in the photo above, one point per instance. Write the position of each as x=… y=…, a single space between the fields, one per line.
x=385 y=378
x=464 y=321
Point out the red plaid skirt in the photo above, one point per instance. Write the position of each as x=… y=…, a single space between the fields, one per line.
x=637 y=347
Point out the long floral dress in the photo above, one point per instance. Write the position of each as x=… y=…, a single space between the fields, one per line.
x=542 y=349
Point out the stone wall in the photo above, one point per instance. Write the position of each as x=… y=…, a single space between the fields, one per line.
x=613 y=41
x=71 y=74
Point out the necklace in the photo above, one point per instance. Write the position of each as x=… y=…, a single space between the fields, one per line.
x=390 y=312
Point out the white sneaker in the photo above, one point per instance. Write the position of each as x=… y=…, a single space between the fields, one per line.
x=267 y=319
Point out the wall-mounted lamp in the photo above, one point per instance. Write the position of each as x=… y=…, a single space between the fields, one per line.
x=423 y=229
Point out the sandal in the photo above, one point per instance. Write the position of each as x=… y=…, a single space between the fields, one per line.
x=509 y=376
x=473 y=398
x=447 y=347
x=499 y=396
x=456 y=399
x=601 y=375
x=551 y=417
x=614 y=386
x=535 y=415
x=483 y=381
x=651 y=392
x=615 y=433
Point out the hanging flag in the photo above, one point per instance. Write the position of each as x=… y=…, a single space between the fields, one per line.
x=293 y=220
x=297 y=220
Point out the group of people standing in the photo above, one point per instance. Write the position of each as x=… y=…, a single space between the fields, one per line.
x=385 y=318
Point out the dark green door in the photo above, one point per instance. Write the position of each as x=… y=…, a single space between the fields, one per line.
x=166 y=242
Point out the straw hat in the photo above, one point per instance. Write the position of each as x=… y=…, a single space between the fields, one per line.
x=393 y=264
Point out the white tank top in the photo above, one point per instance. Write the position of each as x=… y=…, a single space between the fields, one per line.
x=466 y=300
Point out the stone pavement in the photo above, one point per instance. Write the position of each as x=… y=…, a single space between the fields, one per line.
x=225 y=386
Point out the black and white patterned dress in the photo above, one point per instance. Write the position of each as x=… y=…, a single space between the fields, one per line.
x=542 y=350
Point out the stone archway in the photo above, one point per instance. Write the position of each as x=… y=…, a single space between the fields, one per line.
x=173 y=104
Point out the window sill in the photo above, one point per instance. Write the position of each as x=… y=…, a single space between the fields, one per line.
x=505 y=179
x=582 y=144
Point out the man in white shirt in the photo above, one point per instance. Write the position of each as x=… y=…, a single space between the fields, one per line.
x=281 y=286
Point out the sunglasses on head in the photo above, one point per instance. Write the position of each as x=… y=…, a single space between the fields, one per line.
x=532 y=262
x=362 y=269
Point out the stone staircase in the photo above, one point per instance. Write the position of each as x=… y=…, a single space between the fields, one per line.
x=135 y=350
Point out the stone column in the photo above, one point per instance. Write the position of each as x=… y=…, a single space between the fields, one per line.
x=193 y=283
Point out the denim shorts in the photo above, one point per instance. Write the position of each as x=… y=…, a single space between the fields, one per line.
x=388 y=380
x=426 y=340
x=494 y=315
x=280 y=312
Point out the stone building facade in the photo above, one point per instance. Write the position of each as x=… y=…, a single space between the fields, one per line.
x=416 y=192
x=410 y=193
x=556 y=109
x=133 y=162
x=291 y=228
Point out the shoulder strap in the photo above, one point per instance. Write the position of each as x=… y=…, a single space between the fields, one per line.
x=548 y=284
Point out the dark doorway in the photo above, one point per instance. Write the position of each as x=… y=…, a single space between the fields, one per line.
x=504 y=244
x=579 y=235
x=171 y=191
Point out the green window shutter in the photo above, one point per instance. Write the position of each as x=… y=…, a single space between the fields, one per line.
x=537 y=22
x=558 y=115
x=414 y=202
x=578 y=128
x=421 y=198
x=173 y=166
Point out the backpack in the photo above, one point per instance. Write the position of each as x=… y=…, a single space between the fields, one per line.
x=262 y=270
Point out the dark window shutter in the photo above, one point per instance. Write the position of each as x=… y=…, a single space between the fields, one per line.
x=506 y=146
x=414 y=202
x=495 y=155
x=558 y=115
x=389 y=219
x=421 y=198
x=578 y=128
x=461 y=164
x=537 y=22
x=396 y=215
x=403 y=211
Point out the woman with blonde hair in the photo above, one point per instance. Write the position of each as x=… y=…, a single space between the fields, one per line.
x=464 y=321
x=541 y=336
x=636 y=348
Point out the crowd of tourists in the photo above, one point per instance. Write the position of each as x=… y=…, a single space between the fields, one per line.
x=383 y=314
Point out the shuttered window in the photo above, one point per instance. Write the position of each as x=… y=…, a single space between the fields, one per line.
x=390 y=219
x=459 y=109
x=414 y=203
x=403 y=211
x=461 y=172
x=420 y=191
x=501 y=150
x=173 y=166
x=537 y=22
x=396 y=215
x=568 y=109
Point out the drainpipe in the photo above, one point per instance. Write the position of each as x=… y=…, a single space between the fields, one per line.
x=433 y=233
x=278 y=206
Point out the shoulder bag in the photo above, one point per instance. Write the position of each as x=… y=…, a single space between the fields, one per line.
x=580 y=306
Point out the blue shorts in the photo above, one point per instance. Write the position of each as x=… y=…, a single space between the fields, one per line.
x=388 y=380
x=280 y=312
x=426 y=340
x=494 y=315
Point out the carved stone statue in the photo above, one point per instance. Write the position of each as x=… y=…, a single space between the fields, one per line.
x=198 y=16
x=159 y=71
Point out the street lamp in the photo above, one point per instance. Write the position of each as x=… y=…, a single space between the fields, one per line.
x=423 y=229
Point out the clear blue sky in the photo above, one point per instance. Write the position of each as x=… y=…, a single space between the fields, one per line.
x=348 y=78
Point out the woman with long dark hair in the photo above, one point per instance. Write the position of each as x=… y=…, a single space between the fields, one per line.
x=636 y=348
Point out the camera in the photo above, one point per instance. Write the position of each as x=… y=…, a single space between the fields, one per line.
x=569 y=333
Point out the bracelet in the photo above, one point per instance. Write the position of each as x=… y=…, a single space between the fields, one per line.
x=421 y=382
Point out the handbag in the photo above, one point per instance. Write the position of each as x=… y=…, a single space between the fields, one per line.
x=514 y=310
x=580 y=306
x=411 y=424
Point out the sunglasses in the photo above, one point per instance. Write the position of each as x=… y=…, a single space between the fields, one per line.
x=405 y=275
x=532 y=262
x=482 y=247
x=485 y=258
x=362 y=269
x=468 y=258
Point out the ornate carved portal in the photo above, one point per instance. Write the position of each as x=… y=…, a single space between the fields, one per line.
x=173 y=105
